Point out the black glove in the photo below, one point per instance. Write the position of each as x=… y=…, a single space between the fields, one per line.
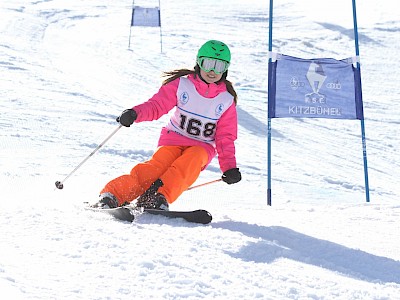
x=232 y=176
x=127 y=117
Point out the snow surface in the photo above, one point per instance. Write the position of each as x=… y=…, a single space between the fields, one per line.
x=66 y=73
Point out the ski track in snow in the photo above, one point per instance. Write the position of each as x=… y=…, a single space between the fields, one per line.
x=66 y=73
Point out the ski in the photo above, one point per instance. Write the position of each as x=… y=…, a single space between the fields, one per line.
x=195 y=216
x=128 y=213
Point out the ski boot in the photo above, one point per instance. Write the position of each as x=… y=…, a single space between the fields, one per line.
x=152 y=199
x=107 y=200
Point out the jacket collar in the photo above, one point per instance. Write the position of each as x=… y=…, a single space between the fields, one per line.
x=208 y=90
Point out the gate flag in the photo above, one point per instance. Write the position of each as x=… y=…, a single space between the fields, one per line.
x=314 y=88
x=146 y=17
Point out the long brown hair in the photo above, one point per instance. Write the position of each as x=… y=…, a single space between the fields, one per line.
x=172 y=75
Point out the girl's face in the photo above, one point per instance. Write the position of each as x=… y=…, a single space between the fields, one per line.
x=210 y=77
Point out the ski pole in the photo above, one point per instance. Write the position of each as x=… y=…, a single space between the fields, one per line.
x=60 y=184
x=203 y=184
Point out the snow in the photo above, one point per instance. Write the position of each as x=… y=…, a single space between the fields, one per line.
x=66 y=73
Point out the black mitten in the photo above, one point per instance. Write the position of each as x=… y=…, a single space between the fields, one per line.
x=127 y=117
x=232 y=176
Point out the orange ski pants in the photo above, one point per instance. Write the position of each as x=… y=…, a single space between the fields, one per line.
x=177 y=166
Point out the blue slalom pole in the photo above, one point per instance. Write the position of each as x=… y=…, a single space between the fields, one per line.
x=269 y=200
x=364 y=144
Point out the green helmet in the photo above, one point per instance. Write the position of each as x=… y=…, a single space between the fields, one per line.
x=215 y=49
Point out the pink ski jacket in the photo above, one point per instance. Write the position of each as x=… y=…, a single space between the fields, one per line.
x=226 y=130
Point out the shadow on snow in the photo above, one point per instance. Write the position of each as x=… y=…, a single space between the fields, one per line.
x=280 y=242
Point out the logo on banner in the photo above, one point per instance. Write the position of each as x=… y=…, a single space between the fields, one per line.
x=295 y=83
x=316 y=77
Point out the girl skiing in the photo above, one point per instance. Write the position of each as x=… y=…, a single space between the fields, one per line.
x=203 y=124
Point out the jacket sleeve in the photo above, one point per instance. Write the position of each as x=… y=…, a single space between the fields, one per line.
x=225 y=137
x=158 y=105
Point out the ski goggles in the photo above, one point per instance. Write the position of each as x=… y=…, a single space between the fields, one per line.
x=211 y=64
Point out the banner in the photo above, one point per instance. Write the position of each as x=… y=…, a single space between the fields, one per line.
x=146 y=16
x=315 y=88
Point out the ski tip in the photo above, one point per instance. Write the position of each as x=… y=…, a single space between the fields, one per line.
x=205 y=218
x=119 y=213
